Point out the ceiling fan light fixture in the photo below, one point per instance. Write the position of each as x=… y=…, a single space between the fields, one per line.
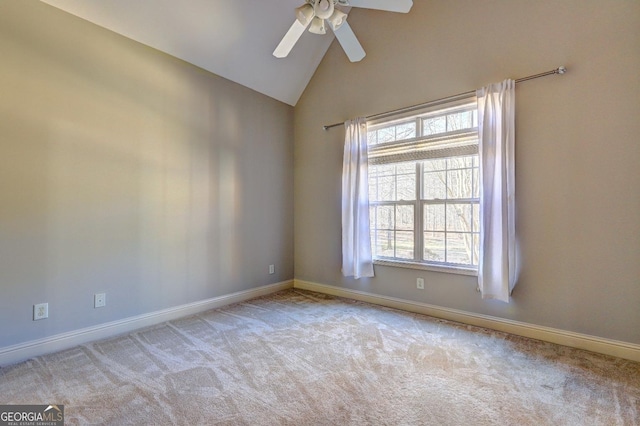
x=323 y=8
x=337 y=19
x=304 y=14
x=317 y=26
x=317 y=14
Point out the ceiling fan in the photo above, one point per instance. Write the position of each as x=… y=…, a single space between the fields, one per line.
x=316 y=14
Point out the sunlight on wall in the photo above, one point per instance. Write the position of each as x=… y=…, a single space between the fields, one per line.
x=128 y=172
x=227 y=211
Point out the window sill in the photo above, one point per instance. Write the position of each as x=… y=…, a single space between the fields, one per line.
x=425 y=267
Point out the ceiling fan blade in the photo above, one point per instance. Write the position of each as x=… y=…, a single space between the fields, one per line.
x=402 y=6
x=349 y=42
x=289 y=40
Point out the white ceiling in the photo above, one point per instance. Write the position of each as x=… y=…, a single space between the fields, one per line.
x=231 y=38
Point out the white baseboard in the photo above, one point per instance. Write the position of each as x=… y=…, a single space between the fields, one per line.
x=561 y=337
x=23 y=351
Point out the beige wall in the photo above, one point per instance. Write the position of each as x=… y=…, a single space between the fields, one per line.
x=577 y=158
x=126 y=171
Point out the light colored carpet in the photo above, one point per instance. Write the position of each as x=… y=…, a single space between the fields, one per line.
x=302 y=358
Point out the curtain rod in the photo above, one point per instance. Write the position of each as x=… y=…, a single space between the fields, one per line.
x=559 y=70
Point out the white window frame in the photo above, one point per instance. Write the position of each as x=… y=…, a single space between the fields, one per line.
x=419 y=202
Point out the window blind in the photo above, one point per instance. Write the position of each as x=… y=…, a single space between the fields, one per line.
x=450 y=145
x=425 y=134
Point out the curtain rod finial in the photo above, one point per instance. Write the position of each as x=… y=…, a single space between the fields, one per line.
x=561 y=70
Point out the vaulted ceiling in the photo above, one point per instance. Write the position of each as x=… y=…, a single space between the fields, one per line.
x=231 y=38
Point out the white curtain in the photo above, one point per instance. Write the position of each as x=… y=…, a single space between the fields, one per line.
x=356 y=241
x=496 y=128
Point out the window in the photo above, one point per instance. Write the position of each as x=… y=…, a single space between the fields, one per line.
x=424 y=188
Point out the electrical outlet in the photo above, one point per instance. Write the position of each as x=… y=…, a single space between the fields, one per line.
x=272 y=269
x=40 y=311
x=99 y=300
x=420 y=283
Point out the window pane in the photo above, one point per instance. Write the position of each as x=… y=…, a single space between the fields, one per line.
x=384 y=243
x=462 y=162
x=405 y=168
x=404 y=244
x=476 y=181
x=459 y=121
x=386 y=134
x=459 y=248
x=372 y=236
x=476 y=248
x=392 y=182
x=373 y=183
x=460 y=183
x=406 y=130
x=433 y=126
x=372 y=137
x=373 y=196
x=372 y=228
x=476 y=217
x=434 y=246
x=385 y=217
x=386 y=188
x=455 y=163
x=459 y=217
x=404 y=218
x=435 y=186
x=386 y=169
x=434 y=217
x=381 y=183
x=435 y=165
x=468 y=160
x=406 y=187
